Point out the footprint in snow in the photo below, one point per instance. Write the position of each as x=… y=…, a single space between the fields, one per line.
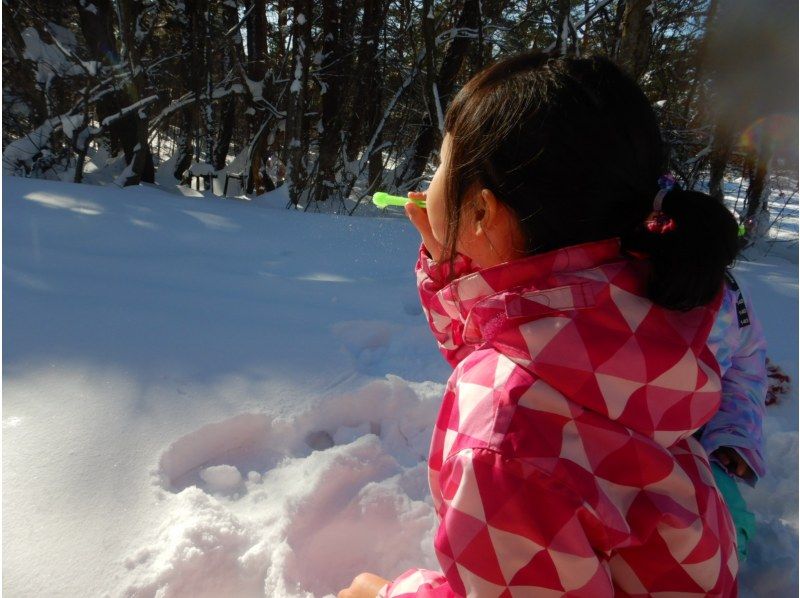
x=219 y=457
x=261 y=504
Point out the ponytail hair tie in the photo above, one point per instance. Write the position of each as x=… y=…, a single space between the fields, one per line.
x=658 y=222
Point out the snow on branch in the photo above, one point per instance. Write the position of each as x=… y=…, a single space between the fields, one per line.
x=110 y=120
x=586 y=18
x=238 y=25
x=23 y=153
x=456 y=32
x=439 y=114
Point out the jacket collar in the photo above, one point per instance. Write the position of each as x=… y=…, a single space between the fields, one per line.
x=526 y=283
x=579 y=319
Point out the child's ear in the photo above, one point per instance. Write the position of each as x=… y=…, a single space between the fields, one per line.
x=486 y=207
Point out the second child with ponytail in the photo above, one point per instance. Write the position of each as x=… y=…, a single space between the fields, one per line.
x=572 y=288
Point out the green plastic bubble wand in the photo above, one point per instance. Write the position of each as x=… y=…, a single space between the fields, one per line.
x=382 y=200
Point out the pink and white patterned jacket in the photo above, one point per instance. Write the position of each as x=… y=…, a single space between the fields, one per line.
x=562 y=461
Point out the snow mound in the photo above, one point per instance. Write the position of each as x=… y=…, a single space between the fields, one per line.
x=350 y=468
x=201 y=550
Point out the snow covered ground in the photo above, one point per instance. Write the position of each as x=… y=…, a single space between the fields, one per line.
x=209 y=397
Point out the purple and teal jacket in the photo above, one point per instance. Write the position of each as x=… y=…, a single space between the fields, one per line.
x=737 y=340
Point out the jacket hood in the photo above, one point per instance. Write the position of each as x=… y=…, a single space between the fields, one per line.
x=579 y=319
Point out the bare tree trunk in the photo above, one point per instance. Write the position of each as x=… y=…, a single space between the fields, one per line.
x=454 y=58
x=330 y=78
x=256 y=68
x=724 y=137
x=206 y=106
x=97 y=25
x=191 y=69
x=616 y=29
x=564 y=31
x=257 y=41
x=282 y=22
x=185 y=147
x=137 y=148
x=261 y=127
x=222 y=142
x=367 y=79
x=259 y=146
x=697 y=89
x=431 y=87
x=296 y=148
x=633 y=54
x=757 y=167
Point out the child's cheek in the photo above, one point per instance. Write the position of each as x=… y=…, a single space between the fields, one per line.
x=466 y=243
x=436 y=218
x=438 y=232
x=466 y=248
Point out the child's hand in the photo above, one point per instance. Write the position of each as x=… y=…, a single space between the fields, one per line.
x=733 y=462
x=365 y=585
x=419 y=218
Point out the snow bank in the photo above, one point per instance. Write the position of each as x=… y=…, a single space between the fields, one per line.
x=310 y=512
x=210 y=397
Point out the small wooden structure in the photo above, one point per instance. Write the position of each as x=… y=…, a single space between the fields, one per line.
x=236 y=176
x=206 y=176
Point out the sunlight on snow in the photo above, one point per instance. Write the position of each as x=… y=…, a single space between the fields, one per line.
x=53 y=200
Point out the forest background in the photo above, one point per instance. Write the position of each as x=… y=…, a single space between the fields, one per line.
x=339 y=98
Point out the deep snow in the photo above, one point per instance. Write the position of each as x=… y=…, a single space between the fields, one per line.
x=210 y=397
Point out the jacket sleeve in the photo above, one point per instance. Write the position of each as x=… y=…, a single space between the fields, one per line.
x=446 y=326
x=741 y=353
x=506 y=528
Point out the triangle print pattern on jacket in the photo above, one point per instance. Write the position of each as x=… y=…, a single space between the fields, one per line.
x=563 y=461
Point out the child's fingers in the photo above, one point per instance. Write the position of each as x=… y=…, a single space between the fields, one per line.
x=743 y=469
x=733 y=462
x=417 y=194
x=724 y=458
x=419 y=218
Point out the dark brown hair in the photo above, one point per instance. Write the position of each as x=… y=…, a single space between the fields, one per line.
x=573 y=147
